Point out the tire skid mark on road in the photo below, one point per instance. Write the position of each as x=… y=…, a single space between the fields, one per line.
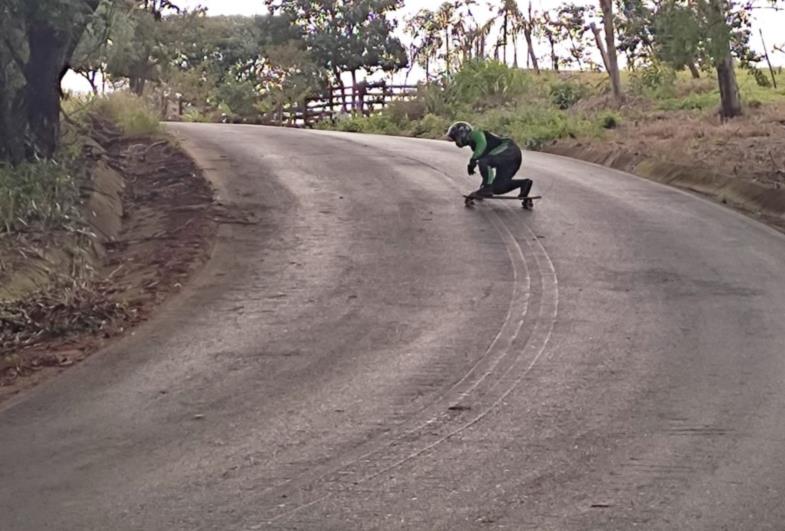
x=443 y=426
x=436 y=412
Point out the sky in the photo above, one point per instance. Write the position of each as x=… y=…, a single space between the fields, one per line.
x=771 y=22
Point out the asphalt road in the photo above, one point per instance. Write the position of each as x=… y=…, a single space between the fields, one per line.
x=373 y=355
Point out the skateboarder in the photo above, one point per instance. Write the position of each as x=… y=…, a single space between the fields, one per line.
x=499 y=160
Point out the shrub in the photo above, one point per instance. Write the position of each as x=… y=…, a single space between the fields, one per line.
x=654 y=81
x=402 y=112
x=565 y=94
x=194 y=115
x=431 y=126
x=486 y=84
x=533 y=126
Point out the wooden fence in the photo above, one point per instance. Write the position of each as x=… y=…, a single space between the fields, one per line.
x=364 y=99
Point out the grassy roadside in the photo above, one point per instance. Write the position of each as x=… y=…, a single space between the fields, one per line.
x=46 y=195
x=537 y=109
x=94 y=240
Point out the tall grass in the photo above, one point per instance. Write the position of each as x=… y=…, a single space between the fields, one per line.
x=132 y=114
x=42 y=193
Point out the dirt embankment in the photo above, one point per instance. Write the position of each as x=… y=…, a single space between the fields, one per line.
x=740 y=163
x=150 y=217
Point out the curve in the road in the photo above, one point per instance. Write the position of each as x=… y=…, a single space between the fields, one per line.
x=374 y=355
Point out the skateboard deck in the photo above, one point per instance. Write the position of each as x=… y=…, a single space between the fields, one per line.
x=526 y=202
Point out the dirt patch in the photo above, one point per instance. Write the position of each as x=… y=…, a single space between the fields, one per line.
x=152 y=220
x=740 y=163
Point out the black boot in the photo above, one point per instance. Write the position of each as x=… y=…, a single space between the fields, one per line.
x=526 y=187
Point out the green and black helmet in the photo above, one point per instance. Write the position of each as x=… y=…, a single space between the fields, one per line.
x=460 y=133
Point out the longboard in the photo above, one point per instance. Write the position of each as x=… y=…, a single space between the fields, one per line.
x=526 y=202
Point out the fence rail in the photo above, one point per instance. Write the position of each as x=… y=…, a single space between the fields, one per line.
x=363 y=98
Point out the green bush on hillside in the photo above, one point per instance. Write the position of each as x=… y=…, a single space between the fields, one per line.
x=488 y=84
x=565 y=94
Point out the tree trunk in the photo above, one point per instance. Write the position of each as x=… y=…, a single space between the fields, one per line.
x=768 y=61
x=504 y=42
x=341 y=86
x=90 y=77
x=532 y=56
x=694 y=70
x=354 y=92
x=730 y=102
x=137 y=84
x=30 y=88
x=45 y=69
x=729 y=89
x=514 y=51
x=610 y=48
x=447 y=49
x=600 y=46
x=554 y=57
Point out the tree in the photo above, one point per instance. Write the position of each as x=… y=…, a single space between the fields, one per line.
x=611 y=62
x=528 y=25
x=634 y=23
x=347 y=36
x=139 y=50
x=91 y=54
x=37 y=41
x=426 y=39
x=712 y=32
x=550 y=29
x=679 y=38
x=287 y=77
x=572 y=26
x=447 y=16
x=510 y=15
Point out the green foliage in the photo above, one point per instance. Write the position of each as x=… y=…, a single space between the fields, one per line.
x=347 y=35
x=130 y=112
x=236 y=97
x=760 y=77
x=533 y=126
x=565 y=94
x=486 y=84
x=571 y=27
x=194 y=115
x=511 y=103
x=44 y=193
x=654 y=80
x=430 y=126
x=680 y=35
x=691 y=102
x=37 y=40
x=402 y=112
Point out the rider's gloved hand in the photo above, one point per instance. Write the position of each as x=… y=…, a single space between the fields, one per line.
x=472 y=167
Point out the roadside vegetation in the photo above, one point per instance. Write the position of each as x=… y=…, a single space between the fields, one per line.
x=45 y=194
x=538 y=109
